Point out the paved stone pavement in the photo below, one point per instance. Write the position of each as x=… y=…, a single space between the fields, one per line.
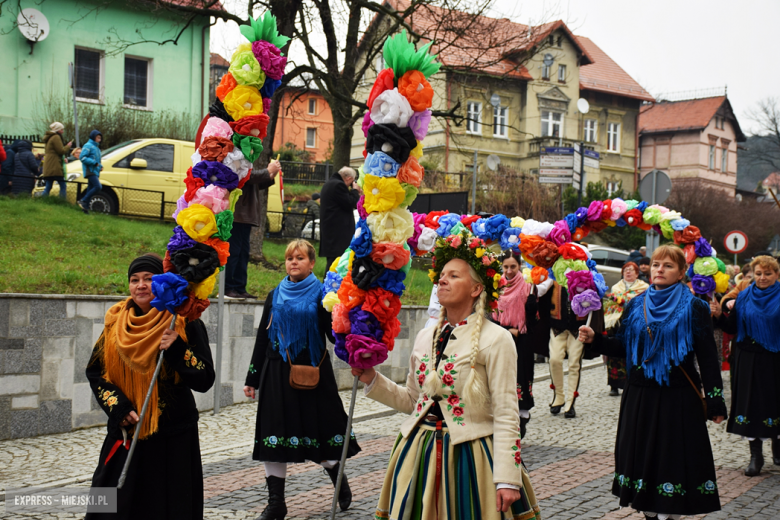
x=569 y=460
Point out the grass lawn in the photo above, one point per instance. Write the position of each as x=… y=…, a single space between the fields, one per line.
x=51 y=247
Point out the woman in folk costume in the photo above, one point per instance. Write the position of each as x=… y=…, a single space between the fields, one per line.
x=165 y=477
x=295 y=425
x=755 y=398
x=458 y=453
x=614 y=302
x=663 y=458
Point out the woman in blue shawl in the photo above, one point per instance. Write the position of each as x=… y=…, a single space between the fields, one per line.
x=755 y=400
x=663 y=458
x=295 y=426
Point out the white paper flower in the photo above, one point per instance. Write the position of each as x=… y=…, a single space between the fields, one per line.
x=390 y=107
x=196 y=158
x=671 y=215
x=534 y=227
x=427 y=239
x=235 y=161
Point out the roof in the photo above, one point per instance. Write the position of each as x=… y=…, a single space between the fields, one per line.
x=604 y=75
x=216 y=59
x=196 y=4
x=692 y=114
x=773 y=180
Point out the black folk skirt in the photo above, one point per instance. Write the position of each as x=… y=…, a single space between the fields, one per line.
x=755 y=398
x=525 y=371
x=299 y=425
x=164 y=480
x=663 y=457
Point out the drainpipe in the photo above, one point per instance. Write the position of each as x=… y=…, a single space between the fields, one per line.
x=447 y=128
x=203 y=67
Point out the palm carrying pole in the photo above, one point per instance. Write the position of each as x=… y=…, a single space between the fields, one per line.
x=343 y=460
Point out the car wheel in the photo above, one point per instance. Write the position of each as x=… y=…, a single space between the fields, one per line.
x=104 y=202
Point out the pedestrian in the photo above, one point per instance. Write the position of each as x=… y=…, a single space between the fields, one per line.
x=3 y=156
x=637 y=254
x=614 y=302
x=25 y=169
x=165 y=476
x=91 y=166
x=312 y=210
x=247 y=215
x=337 y=221
x=53 y=159
x=7 y=168
x=754 y=316
x=644 y=269
x=293 y=424
x=746 y=276
x=458 y=453
x=663 y=457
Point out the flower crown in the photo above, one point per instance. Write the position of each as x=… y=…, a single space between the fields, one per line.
x=473 y=251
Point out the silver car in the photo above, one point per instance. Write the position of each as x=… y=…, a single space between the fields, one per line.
x=609 y=262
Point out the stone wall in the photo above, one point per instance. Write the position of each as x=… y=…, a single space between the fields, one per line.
x=46 y=342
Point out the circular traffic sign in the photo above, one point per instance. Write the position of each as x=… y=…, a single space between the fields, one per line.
x=735 y=242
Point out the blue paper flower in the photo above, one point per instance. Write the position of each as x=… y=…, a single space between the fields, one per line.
x=591 y=264
x=392 y=281
x=490 y=228
x=510 y=239
x=572 y=221
x=582 y=215
x=361 y=242
x=642 y=206
x=446 y=223
x=479 y=228
x=690 y=272
x=621 y=222
x=381 y=165
x=170 y=291
x=679 y=224
x=601 y=284
x=550 y=274
x=269 y=87
x=331 y=283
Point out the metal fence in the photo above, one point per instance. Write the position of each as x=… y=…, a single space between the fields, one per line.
x=306 y=173
x=292 y=224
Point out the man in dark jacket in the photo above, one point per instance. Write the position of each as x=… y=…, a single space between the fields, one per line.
x=7 y=169
x=636 y=255
x=246 y=216
x=337 y=221
x=25 y=169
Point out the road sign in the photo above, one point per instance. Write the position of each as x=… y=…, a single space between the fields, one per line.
x=735 y=242
x=591 y=154
x=577 y=162
x=546 y=150
x=556 y=161
x=549 y=172
x=576 y=177
x=655 y=187
x=555 y=180
x=590 y=162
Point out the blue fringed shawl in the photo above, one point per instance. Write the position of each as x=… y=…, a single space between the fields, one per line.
x=671 y=322
x=294 y=318
x=758 y=316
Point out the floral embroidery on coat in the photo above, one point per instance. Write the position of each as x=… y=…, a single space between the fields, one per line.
x=423 y=370
x=108 y=397
x=716 y=392
x=516 y=452
x=454 y=401
x=190 y=359
x=421 y=402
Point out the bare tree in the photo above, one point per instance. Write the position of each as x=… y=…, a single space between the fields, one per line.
x=764 y=149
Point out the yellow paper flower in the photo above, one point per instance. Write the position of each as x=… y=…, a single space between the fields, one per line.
x=234 y=195
x=495 y=295
x=609 y=222
x=243 y=101
x=417 y=150
x=395 y=225
x=198 y=222
x=497 y=277
x=478 y=252
x=203 y=289
x=517 y=222
x=351 y=259
x=526 y=271
x=721 y=282
x=382 y=193
x=244 y=47
x=330 y=300
x=495 y=285
x=334 y=265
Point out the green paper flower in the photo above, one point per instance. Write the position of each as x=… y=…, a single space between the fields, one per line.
x=652 y=216
x=401 y=56
x=249 y=145
x=721 y=265
x=411 y=194
x=233 y=198
x=666 y=229
x=264 y=28
x=561 y=265
x=705 y=266
x=457 y=229
x=246 y=70
x=631 y=204
x=224 y=225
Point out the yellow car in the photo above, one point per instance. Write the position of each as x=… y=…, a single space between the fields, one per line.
x=145 y=177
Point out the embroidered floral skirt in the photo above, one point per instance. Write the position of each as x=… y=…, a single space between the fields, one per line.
x=467 y=490
x=299 y=425
x=755 y=398
x=616 y=372
x=663 y=457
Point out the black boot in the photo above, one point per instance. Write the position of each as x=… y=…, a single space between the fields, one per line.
x=570 y=413
x=276 y=508
x=776 y=451
x=756 y=458
x=345 y=494
x=523 y=422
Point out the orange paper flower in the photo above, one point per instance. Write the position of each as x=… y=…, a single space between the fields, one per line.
x=391 y=255
x=545 y=254
x=416 y=89
x=168 y=266
x=539 y=274
x=222 y=248
x=579 y=233
x=690 y=253
x=528 y=243
x=689 y=235
x=382 y=304
x=215 y=148
x=349 y=295
x=411 y=172
x=340 y=314
x=227 y=84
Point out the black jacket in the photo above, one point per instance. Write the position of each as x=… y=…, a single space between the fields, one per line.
x=7 y=168
x=25 y=168
x=337 y=222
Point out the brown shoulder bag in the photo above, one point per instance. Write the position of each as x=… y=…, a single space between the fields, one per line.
x=304 y=377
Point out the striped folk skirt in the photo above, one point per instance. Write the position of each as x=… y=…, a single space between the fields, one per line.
x=467 y=491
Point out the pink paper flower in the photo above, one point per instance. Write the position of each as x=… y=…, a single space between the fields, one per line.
x=213 y=197
x=619 y=208
x=270 y=58
x=579 y=282
x=367 y=123
x=365 y=352
x=216 y=127
x=362 y=213
x=594 y=210
x=419 y=224
x=560 y=233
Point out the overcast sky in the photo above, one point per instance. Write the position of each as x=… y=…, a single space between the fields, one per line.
x=667 y=46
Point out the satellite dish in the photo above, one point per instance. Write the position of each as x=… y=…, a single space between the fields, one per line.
x=548 y=59
x=583 y=106
x=495 y=100
x=493 y=161
x=33 y=25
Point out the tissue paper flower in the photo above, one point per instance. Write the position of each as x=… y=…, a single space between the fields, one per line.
x=349 y=294
x=545 y=254
x=670 y=215
x=224 y=225
x=539 y=275
x=243 y=101
x=633 y=217
x=666 y=229
x=582 y=215
x=578 y=282
x=196 y=263
x=233 y=198
x=331 y=283
x=652 y=216
x=447 y=223
x=383 y=82
x=391 y=255
x=419 y=124
x=585 y=302
x=213 y=197
x=390 y=139
x=705 y=266
x=395 y=225
x=411 y=194
x=246 y=70
x=619 y=208
x=215 y=173
x=270 y=58
x=392 y=328
x=366 y=272
x=382 y=193
x=379 y=164
x=680 y=224
x=198 y=222
x=703 y=284
x=216 y=127
x=540 y=229
x=236 y=161
x=365 y=352
x=169 y=290
x=721 y=282
x=226 y=84
x=255 y=126
x=193 y=184
x=250 y=146
x=361 y=208
x=340 y=317
x=562 y=265
x=365 y=324
x=329 y=301
x=702 y=247
x=594 y=210
x=601 y=284
x=419 y=225
x=579 y=234
x=527 y=245
x=192 y=308
x=690 y=253
x=392 y=281
x=361 y=240
x=390 y=107
x=571 y=251
x=560 y=233
x=269 y=87
x=221 y=247
x=468 y=220
x=689 y=235
x=416 y=89
x=510 y=239
x=214 y=148
x=180 y=240
x=366 y=126
x=432 y=219
x=382 y=304
x=181 y=203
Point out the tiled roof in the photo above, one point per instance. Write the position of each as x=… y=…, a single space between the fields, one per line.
x=604 y=75
x=693 y=114
x=198 y=4
x=216 y=59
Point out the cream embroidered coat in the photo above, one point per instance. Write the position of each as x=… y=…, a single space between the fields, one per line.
x=497 y=360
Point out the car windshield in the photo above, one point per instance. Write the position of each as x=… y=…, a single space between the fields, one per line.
x=118 y=148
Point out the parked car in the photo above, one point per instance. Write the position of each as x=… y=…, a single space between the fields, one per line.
x=609 y=262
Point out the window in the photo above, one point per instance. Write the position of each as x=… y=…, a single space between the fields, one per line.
x=311 y=138
x=474 y=118
x=500 y=121
x=313 y=107
x=559 y=40
x=711 y=162
x=589 y=131
x=612 y=187
x=599 y=256
x=159 y=157
x=88 y=76
x=551 y=123
x=546 y=71
x=136 y=82
x=562 y=73
x=724 y=160
x=379 y=62
x=613 y=137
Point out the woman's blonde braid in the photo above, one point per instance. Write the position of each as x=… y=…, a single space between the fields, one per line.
x=475 y=390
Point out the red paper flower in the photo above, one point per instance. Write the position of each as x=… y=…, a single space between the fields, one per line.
x=690 y=253
x=432 y=220
x=381 y=303
x=596 y=225
x=384 y=81
x=340 y=315
x=193 y=184
x=468 y=220
x=633 y=217
x=241 y=182
x=391 y=330
x=572 y=252
x=606 y=211
x=689 y=235
x=416 y=89
x=256 y=126
x=192 y=308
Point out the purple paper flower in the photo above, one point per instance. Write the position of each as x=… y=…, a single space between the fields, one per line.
x=215 y=173
x=582 y=215
x=365 y=352
x=367 y=123
x=585 y=302
x=703 y=284
x=270 y=58
x=181 y=203
x=703 y=248
x=419 y=123
x=579 y=282
x=365 y=324
x=560 y=233
x=362 y=213
x=169 y=290
x=266 y=105
x=341 y=347
x=180 y=240
x=594 y=210
x=419 y=224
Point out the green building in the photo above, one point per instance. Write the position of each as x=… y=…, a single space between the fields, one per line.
x=94 y=37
